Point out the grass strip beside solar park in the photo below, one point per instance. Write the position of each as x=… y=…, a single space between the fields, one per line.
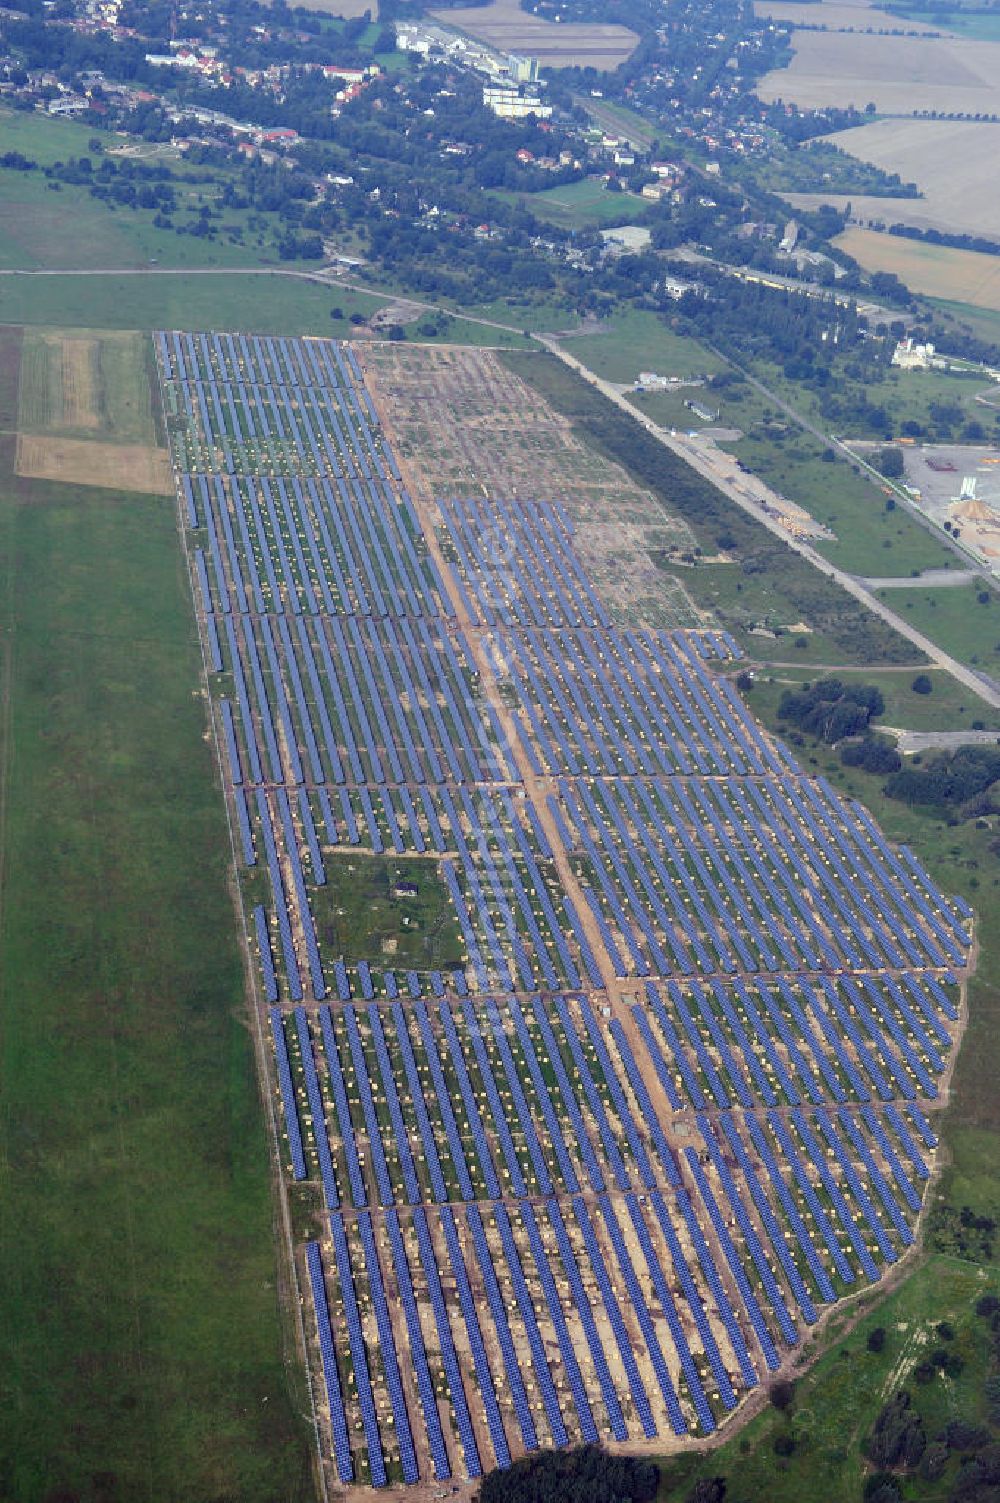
x=140 y=1338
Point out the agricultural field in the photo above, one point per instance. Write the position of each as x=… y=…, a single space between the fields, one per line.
x=142 y=1329
x=950 y=161
x=934 y=270
x=84 y=383
x=85 y=413
x=346 y=9
x=899 y=75
x=502 y=24
x=836 y=16
x=411 y=670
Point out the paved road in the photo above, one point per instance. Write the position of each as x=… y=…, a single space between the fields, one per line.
x=917 y=741
x=702 y=461
x=934 y=577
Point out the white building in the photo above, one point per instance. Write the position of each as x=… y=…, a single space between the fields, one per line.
x=916 y=357
x=511 y=104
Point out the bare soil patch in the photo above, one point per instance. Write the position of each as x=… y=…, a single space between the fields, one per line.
x=467 y=426
x=504 y=25
x=81 y=461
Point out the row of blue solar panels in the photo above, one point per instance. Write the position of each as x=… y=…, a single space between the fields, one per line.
x=364 y=703
x=708 y=855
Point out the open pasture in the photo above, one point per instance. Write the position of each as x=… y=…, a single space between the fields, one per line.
x=676 y=973
x=583 y=205
x=504 y=25
x=899 y=75
x=935 y=270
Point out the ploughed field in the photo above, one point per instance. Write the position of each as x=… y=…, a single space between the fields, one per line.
x=643 y=1076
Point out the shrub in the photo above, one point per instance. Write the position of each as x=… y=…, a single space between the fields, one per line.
x=782 y=1394
x=587 y=1474
x=897 y=1437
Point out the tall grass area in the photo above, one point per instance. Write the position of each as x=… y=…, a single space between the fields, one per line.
x=141 y=1341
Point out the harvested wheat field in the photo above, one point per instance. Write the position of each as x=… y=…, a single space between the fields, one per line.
x=952 y=162
x=935 y=270
x=897 y=74
x=81 y=461
x=840 y=15
x=503 y=24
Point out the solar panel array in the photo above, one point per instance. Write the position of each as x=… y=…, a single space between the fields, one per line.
x=594 y=1182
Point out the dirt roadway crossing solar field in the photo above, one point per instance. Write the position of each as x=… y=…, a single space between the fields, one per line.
x=606 y=1042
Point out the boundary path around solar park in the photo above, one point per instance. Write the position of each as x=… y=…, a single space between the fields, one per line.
x=288 y=1292
x=701 y=461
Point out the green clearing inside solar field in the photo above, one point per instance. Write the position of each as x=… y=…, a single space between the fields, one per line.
x=360 y=911
x=140 y=1336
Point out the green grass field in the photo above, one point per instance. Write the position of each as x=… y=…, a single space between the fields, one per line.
x=979 y=25
x=837 y=1399
x=358 y=913
x=143 y=1354
x=983 y=321
x=949 y=706
x=580 y=206
x=56 y=227
x=635 y=341
x=870 y=540
x=262 y=302
x=118 y=365
x=955 y=619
